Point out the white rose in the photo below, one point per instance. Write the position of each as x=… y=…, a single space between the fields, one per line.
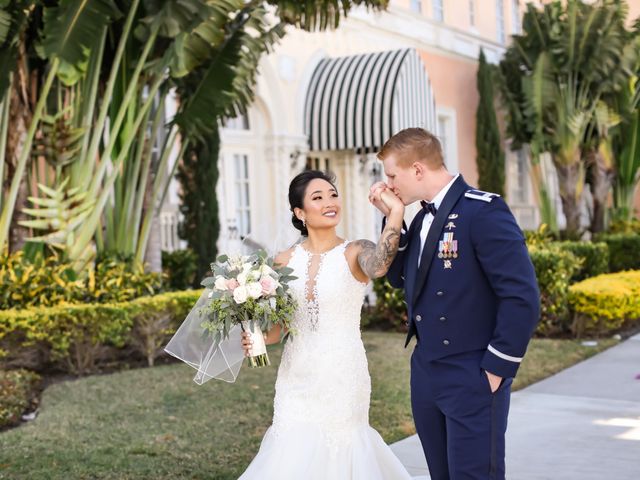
x=254 y=290
x=221 y=283
x=242 y=278
x=240 y=294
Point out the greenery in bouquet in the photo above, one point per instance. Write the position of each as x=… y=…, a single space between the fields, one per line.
x=247 y=288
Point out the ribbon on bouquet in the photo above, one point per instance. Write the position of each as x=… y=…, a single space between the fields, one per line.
x=197 y=349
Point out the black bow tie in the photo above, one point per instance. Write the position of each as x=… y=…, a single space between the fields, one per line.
x=429 y=207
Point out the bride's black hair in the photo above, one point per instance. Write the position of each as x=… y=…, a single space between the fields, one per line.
x=297 y=189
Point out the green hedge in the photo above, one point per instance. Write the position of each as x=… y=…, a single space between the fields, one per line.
x=17 y=392
x=606 y=303
x=554 y=268
x=77 y=337
x=594 y=257
x=390 y=309
x=624 y=251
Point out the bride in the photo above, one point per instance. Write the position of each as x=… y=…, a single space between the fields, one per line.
x=320 y=426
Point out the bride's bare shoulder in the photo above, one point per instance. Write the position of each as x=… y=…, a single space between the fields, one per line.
x=283 y=257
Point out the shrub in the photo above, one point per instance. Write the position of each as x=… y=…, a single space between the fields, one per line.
x=47 y=281
x=554 y=267
x=625 y=226
x=77 y=337
x=390 y=310
x=605 y=303
x=120 y=279
x=624 y=251
x=540 y=237
x=17 y=393
x=158 y=317
x=41 y=281
x=593 y=255
x=179 y=268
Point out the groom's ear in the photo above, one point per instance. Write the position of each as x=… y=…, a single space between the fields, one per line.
x=419 y=169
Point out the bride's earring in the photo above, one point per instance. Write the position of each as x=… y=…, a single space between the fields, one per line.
x=304 y=223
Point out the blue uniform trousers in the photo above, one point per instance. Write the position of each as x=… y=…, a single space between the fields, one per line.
x=461 y=424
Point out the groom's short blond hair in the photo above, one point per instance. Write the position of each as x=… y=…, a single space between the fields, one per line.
x=411 y=145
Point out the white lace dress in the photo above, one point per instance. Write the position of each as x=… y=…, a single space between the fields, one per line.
x=320 y=424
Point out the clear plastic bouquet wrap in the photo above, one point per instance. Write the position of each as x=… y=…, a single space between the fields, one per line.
x=245 y=293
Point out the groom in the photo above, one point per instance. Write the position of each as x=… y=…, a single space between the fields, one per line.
x=473 y=304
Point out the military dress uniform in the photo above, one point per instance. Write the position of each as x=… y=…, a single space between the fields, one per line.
x=473 y=304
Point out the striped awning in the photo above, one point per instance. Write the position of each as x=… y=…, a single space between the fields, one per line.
x=358 y=102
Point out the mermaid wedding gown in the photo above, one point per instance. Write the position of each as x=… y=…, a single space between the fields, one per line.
x=320 y=428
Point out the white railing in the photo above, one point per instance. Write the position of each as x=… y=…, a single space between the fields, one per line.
x=169 y=231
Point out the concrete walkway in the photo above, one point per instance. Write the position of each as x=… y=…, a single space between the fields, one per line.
x=580 y=424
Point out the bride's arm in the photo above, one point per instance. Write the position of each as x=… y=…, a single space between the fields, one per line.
x=374 y=260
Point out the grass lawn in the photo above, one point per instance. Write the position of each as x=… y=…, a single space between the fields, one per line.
x=156 y=423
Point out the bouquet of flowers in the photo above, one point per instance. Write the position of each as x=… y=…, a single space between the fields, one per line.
x=245 y=293
x=248 y=291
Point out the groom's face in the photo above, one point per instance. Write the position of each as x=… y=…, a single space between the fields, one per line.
x=405 y=181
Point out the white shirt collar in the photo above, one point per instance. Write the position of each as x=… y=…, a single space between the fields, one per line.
x=437 y=200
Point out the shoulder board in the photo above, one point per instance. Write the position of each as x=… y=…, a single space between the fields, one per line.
x=480 y=195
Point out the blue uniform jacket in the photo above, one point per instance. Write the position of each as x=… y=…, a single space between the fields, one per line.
x=476 y=288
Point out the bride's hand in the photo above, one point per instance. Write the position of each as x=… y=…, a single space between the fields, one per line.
x=391 y=201
x=374 y=197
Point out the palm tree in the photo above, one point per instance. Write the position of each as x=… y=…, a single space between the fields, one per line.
x=109 y=71
x=555 y=75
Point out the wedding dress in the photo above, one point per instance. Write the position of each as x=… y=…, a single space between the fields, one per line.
x=320 y=428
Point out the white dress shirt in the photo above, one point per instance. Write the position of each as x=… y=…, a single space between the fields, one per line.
x=428 y=218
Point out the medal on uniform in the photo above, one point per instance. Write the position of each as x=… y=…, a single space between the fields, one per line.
x=453 y=216
x=447 y=245
x=447 y=264
x=450 y=226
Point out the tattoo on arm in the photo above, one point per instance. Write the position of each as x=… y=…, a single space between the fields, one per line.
x=375 y=260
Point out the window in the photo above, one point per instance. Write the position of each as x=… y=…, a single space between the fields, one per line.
x=500 y=21
x=442 y=135
x=472 y=13
x=416 y=6
x=241 y=122
x=448 y=137
x=438 y=10
x=515 y=17
x=243 y=209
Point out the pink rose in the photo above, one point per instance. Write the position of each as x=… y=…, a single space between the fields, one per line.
x=269 y=285
x=232 y=284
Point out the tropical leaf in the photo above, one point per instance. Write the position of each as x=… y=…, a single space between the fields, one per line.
x=320 y=14
x=70 y=30
x=61 y=214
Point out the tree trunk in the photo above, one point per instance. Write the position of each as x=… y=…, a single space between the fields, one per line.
x=601 y=177
x=19 y=119
x=153 y=252
x=571 y=182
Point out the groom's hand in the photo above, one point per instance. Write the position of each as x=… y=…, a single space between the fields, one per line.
x=375 y=198
x=494 y=381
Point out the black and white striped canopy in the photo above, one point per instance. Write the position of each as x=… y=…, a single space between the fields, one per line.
x=358 y=102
